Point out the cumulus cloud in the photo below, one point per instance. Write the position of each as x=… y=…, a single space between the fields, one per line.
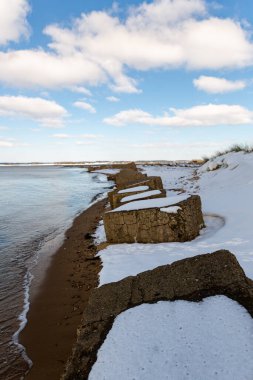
x=164 y=12
x=216 y=85
x=85 y=106
x=202 y=115
x=112 y=99
x=129 y=117
x=47 y=113
x=101 y=48
x=81 y=90
x=26 y=68
x=13 y=23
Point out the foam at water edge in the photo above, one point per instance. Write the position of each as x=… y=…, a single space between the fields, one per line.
x=23 y=318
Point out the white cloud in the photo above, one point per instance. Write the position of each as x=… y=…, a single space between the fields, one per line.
x=38 y=68
x=101 y=48
x=216 y=85
x=85 y=106
x=215 y=44
x=164 y=12
x=112 y=99
x=81 y=90
x=203 y=115
x=13 y=23
x=129 y=117
x=3 y=128
x=48 y=113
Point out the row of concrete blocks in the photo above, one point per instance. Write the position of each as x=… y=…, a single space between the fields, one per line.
x=119 y=196
x=142 y=213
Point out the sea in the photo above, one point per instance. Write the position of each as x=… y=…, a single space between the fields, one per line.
x=37 y=205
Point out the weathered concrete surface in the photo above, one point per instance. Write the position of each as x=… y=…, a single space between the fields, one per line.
x=127 y=177
x=154 y=183
x=111 y=177
x=128 y=165
x=192 y=279
x=151 y=225
x=116 y=199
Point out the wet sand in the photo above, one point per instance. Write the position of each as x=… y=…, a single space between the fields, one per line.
x=56 y=311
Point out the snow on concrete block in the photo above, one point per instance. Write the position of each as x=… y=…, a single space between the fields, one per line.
x=134 y=189
x=146 y=194
x=118 y=199
x=145 y=222
x=153 y=182
x=191 y=279
x=150 y=183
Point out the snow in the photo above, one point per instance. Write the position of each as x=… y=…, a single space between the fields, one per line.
x=182 y=340
x=122 y=260
x=172 y=176
x=226 y=195
x=171 y=210
x=177 y=341
x=213 y=166
x=133 y=189
x=99 y=235
x=107 y=171
x=229 y=160
x=144 y=194
x=152 y=203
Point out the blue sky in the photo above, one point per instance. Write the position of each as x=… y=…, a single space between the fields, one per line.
x=103 y=80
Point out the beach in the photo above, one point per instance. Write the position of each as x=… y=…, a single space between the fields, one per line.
x=56 y=311
x=92 y=293
x=126 y=181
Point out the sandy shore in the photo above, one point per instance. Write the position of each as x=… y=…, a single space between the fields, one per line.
x=56 y=311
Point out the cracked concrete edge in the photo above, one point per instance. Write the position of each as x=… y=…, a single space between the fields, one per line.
x=191 y=279
x=154 y=183
x=152 y=225
x=118 y=199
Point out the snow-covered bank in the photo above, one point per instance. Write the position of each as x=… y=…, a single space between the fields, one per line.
x=182 y=340
x=177 y=341
x=226 y=195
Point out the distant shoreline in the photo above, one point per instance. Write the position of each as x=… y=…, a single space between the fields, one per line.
x=101 y=163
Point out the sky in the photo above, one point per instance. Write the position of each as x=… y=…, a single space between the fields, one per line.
x=129 y=80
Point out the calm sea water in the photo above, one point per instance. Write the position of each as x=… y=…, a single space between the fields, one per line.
x=37 y=204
